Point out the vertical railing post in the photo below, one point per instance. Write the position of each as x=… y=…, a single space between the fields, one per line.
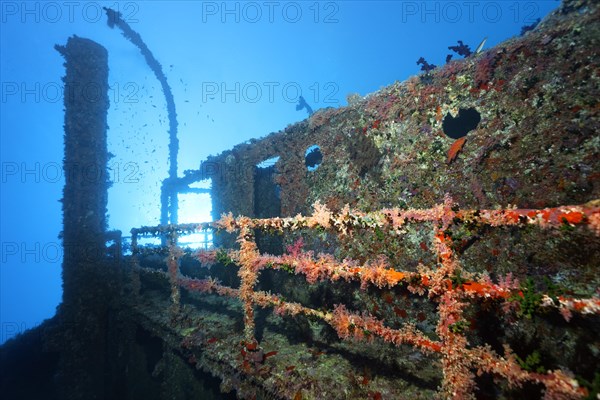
x=455 y=360
x=205 y=238
x=173 y=271
x=135 y=264
x=248 y=257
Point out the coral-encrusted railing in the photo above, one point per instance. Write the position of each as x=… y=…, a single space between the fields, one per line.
x=460 y=362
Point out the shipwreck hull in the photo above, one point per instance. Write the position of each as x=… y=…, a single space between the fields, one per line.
x=515 y=127
x=444 y=242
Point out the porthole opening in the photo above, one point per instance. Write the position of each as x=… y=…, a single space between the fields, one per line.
x=464 y=122
x=313 y=157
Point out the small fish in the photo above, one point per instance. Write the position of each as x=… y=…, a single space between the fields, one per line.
x=269 y=354
x=455 y=148
x=211 y=340
x=480 y=47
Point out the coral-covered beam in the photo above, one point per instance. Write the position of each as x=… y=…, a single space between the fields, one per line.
x=568 y=305
x=351 y=325
x=207 y=286
x=347 y=220
x=559 y=385
x=547 y=217
x=379 y=273
x=165 y=229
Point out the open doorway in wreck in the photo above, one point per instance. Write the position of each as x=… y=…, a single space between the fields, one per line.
x=195 y=204
x=267 y=203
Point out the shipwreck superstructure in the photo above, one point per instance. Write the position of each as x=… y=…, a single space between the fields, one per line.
x=440 y=237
